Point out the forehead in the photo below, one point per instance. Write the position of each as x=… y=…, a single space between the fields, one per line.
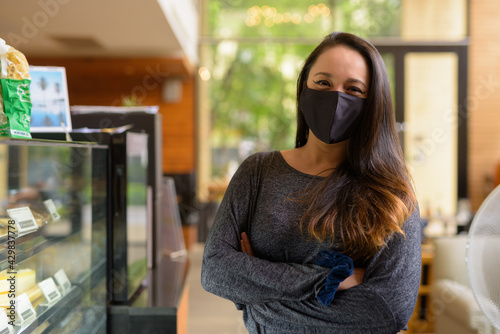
x=342 y=60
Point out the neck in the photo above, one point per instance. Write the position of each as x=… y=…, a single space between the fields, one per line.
x=323 y=157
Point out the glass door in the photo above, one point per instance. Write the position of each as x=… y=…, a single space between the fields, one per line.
x=430 y=137
x=429 y=84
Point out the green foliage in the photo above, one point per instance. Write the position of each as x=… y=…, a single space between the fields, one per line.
x=130 y=101
x=368 y=18
x=136 y=193
x=254 y=99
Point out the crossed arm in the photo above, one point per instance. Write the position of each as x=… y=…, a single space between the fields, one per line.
x=282 y=294
x=355 y=279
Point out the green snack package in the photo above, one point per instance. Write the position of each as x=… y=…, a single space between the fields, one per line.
x=15 y=99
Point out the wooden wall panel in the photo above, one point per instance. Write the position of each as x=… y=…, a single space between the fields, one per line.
x=105 y=81
x=483 y=98
x=179 y=132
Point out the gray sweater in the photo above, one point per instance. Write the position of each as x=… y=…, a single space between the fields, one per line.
x=276 y=289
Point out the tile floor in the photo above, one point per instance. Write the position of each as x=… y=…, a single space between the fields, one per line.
x=207 y=313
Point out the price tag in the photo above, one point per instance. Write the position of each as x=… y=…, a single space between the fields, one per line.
x=62 y=280
x=49 y=290
x=24 y=309
x=25 y=222
x=51 y=207
x=5 y=327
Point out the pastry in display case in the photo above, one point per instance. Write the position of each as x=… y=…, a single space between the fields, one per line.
x=53 y=251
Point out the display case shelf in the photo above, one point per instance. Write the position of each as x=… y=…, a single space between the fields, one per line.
x=49 y=317
x=27 y=246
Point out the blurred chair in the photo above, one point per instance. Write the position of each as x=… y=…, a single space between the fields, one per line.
x=454 y=307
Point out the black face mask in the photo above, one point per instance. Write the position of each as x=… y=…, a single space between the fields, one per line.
x=331 y=115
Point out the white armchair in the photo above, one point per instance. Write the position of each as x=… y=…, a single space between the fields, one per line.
x=454 y=307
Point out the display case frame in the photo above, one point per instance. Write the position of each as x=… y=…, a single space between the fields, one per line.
x=59 y=266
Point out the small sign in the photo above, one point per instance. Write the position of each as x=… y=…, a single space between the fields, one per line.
x=25 y=222
x=50 y=290
x=25 y=310
x=50 y=111
x=62 y=280
x=5 y=328
x=51 y=207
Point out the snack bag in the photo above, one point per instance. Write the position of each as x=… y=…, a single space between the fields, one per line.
x=15 y=101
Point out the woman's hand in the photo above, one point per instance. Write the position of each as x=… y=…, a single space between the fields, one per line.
x=245 y=244
x=355 y=279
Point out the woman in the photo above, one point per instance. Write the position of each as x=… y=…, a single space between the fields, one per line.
x=344 y=189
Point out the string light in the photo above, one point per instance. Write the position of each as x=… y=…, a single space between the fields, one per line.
x=287 y=17
x=296 y=18
x=313 y=10
x=204 y=73
x=268 y=22
x=270 y=16
x=254 y=11
x=308 y=18
x=323 y=10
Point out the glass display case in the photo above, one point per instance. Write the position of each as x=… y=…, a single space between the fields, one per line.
x=130 y=210
x=147 y=121
x=53 y=250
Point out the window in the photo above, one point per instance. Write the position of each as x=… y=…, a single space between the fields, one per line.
x=251 y=56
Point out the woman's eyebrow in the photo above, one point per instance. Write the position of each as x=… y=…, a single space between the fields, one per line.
x=350 y=80
x=325 y=74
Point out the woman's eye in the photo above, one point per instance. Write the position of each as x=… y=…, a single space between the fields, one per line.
x=322 y=83
x=355 y=90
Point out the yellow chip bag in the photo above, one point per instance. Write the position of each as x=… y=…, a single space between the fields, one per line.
x=15 y=98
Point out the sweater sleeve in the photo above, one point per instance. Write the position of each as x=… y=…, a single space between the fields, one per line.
x=383 y=303
x=243 y=279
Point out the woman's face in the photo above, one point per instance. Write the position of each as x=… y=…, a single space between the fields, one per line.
x=342 y=69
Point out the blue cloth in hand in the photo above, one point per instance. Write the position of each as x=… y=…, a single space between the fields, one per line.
x=342 y=267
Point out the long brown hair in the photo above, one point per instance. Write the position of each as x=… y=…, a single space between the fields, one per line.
x=368 y=196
